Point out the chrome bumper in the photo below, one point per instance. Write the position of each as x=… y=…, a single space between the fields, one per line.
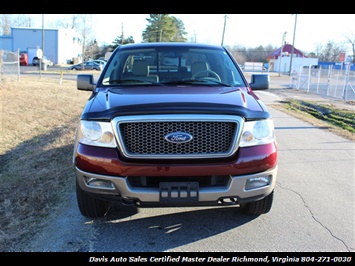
x=119 y=186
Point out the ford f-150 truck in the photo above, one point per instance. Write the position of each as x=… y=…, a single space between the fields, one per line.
x=174 y=124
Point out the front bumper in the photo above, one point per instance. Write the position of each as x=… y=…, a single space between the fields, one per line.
x=123 y=190
x=101 y=173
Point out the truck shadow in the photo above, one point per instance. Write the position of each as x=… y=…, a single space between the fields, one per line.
x=165 y=228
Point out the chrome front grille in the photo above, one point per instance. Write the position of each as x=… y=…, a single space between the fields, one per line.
x=145 y=137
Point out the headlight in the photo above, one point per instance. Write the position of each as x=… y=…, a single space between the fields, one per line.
x=96 y=134
x=257 y=133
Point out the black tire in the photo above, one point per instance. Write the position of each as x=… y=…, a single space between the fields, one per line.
x=89 y=206
x=258 y=207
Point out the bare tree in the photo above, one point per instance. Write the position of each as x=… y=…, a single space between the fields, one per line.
x=318 y=49
x=331 y=52
x=257 y=54
x=238 y=52
x=84 y=28
x=82 y=24
x=93 y=49
x=22 y=21
x=5 y=24
x=8 y=21
x=67 y=23
x=352 y=43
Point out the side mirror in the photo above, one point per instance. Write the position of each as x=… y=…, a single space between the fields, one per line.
x=259 y=82
x=85 y=82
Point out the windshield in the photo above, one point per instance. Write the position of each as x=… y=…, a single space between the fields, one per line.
x=173 y=66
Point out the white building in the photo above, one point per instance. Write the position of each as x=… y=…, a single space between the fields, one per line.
x=282 y=63
x=61 y=46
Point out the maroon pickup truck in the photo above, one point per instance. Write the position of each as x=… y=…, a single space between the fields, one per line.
x=174 y=124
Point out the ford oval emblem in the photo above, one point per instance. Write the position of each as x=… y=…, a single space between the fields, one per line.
x=178 y=137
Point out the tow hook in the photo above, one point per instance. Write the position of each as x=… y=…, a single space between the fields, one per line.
x=228 y=201
x=128 y=202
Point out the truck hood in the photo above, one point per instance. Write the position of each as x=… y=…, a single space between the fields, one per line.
x=112 y=102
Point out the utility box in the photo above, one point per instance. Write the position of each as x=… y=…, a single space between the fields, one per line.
x=43 y=66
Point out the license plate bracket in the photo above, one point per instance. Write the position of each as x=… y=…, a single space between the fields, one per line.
x=178 y=192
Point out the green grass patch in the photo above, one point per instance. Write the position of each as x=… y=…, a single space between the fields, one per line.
x=341 y=118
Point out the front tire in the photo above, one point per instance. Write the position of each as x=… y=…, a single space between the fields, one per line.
x=258 y=207
x=89 y=206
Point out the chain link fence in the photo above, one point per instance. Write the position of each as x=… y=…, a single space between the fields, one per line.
x=9 y=66
x=327 y=82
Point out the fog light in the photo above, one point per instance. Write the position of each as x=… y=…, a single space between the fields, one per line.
x=257 y=182
x=99 y=183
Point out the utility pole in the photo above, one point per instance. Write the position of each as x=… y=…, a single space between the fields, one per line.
x=122 y=34
x=42 y=35
x=224 y=28
x=293 y=44
x=195 y=36
x=40 y=59
x=282 y=46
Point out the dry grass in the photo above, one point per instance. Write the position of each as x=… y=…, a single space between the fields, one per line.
x=39 y=117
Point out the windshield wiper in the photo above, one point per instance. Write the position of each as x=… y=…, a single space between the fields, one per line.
x=196 y=82
x=128 y=81
x=119 y=81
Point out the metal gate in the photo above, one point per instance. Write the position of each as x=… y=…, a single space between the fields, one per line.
x=329 y=82
x=9 y=66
